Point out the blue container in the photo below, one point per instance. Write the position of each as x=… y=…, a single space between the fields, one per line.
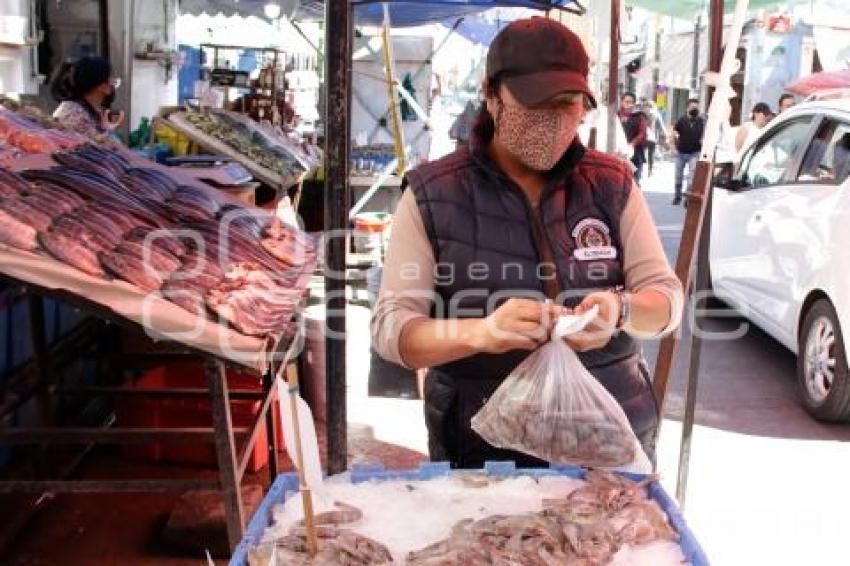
x=189 y=72
x=286 y=483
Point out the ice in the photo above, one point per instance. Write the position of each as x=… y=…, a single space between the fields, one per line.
x=409 y=515
x=652 y=554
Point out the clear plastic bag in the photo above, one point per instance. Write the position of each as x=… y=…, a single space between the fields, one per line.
x=551 y=407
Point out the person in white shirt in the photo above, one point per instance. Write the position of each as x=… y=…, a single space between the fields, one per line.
x=655 y=132
x=749 y=131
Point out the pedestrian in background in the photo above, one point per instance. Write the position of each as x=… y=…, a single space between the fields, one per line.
x=655 y=132
x=687 y=135
x=749 y=131
x=635 y=125
x=786 y=101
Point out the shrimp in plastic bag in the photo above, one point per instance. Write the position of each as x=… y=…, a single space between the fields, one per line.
x=551 y=407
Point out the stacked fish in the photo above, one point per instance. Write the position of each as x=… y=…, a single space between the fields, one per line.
x=28 y=136
x=97 y=213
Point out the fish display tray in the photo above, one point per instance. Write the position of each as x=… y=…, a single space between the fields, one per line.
x=286 y=483
x=179 y=122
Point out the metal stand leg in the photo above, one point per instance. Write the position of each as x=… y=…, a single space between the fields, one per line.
x=701 y=284
x=271 y=429
x=38 y=335
x=225 y=448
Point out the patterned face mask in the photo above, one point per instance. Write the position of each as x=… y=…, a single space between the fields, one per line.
x=537 y=138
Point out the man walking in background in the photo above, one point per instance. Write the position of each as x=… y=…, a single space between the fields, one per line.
x=687 y=134
x=635 y=124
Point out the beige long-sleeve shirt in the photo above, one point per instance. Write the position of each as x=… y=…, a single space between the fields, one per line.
x=408 y=278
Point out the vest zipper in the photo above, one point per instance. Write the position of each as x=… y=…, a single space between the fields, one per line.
x=542 y=246
x=550 y=283
x=539 y=238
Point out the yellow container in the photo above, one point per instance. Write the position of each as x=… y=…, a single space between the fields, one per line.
x=178 y=143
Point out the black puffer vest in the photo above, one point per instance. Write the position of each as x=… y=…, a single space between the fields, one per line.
x=480 y=226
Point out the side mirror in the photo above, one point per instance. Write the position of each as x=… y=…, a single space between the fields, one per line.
x=732 y=185
x=723 y=175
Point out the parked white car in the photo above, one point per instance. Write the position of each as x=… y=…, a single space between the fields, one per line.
x=780 y=245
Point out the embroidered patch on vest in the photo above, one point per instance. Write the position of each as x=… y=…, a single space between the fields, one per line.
x=593 y=240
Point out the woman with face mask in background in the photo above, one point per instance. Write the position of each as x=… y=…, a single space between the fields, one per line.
x=491 y=243
x=85 y=91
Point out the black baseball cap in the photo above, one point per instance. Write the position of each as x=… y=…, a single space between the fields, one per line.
x=538 y=58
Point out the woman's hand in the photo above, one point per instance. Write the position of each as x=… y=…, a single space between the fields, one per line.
x=599 y=332
x=109 y=122
x=519 y=324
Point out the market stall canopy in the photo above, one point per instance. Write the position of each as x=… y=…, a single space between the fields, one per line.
x=687 y=9
x=292 y=9
x=475 y=31
x=820 y=81
x=403 y=13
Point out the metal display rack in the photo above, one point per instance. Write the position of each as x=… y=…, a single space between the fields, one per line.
x=36 y=276
x=232 y=458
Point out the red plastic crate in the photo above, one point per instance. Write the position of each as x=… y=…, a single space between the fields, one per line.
x=184 y=412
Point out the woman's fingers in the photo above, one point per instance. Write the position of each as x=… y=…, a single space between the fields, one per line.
x=528 y=309
x=530 y=329
x=542 y=312
x=519 y=324
x=608 y=304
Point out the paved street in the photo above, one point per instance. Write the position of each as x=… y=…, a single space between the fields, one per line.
x=766 y=482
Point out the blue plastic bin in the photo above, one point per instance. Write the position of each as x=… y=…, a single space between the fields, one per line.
x=289 y=482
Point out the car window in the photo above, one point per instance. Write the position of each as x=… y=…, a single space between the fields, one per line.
x=768 y=160
x=827 y=160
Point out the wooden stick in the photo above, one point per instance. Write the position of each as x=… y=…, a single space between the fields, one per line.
x=306 y=494
x=684 y=270
x=395 y=117
x=697 y=196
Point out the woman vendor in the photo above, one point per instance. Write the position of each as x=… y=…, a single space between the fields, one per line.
x=484 y=236
x=85 y=91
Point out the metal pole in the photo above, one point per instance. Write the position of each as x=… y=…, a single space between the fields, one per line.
x=337 y=203
x=701 y=285
x=715 y=45
x=613 y=77
x=271 y=428
x=129 y=37
x=225 y=449
x=696 y=196
x=656 y=68
x=695 y=59
x=38 y=336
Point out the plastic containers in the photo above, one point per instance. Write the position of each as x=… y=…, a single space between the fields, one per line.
x=179 y=412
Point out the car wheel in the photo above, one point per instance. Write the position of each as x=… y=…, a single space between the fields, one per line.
x=822 y=373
